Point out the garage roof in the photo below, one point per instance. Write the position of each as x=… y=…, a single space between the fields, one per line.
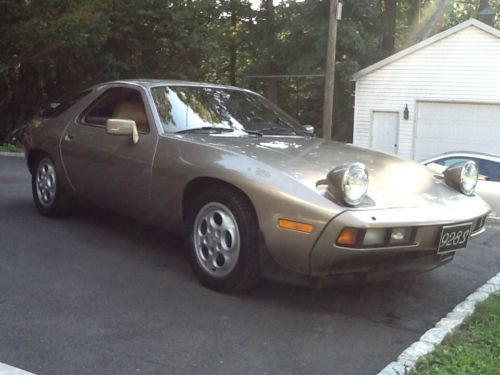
x=433 y=39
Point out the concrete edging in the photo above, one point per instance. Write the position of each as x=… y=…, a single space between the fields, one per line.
x=14 y=154
x=408 y=359
x=9 y=370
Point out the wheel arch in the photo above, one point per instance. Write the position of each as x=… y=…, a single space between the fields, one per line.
x=33 y=156
x=200 y=184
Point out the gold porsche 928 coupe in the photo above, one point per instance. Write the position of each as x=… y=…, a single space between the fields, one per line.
x=255 y=191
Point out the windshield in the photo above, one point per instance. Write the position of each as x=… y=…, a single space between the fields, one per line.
x=188 y=108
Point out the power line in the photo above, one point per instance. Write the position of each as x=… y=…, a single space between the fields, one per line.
x=287 y=76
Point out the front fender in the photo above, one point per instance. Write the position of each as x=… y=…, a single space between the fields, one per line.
x=274 y=195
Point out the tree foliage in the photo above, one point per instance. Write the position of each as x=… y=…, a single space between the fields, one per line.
x=50 y=48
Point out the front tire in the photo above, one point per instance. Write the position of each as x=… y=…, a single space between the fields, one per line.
x=50 y=199
x=224 y=241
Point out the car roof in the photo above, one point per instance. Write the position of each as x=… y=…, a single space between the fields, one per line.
x=149 y=83
x=470 y=154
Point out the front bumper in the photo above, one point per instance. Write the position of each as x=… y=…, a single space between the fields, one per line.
x=375 y=269
x=327 y=259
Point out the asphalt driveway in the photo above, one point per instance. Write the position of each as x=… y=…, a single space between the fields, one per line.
x=98 y=293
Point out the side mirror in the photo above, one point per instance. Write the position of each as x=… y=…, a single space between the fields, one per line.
x=308 y=129
x=118 y=126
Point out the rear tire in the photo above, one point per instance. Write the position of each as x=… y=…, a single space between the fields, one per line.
x=49 y=197
x=224 y=241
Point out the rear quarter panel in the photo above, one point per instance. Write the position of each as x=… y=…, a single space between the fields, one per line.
x=43 y=136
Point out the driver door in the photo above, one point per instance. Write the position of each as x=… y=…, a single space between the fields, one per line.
x=110 y=170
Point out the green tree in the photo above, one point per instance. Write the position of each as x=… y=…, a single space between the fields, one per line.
x=228 y=41
x=41 y=51
x=52 y=47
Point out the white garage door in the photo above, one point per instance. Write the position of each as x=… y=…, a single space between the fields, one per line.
x=445 y=127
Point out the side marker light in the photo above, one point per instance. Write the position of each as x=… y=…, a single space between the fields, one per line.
x=295 y=225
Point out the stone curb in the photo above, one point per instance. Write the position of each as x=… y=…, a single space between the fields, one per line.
x=408 y=359
x=14 y=154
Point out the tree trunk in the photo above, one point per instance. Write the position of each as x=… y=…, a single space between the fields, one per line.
x=233 y=48
x=272 y=90
x=485 y=13
x=418 y=8
x=389 y=36
x=483 y=4
x=272 y=83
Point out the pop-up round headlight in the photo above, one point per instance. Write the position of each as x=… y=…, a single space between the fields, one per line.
x=468 y=178
x=462 y=176
x=348 y=183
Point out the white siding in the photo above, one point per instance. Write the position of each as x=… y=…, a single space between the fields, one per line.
x=463 y=67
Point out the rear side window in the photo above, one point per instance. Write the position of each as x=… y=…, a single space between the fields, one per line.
x=65 y=104
x=117 y=103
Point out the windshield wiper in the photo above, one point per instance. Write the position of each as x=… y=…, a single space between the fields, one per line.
x=293 y=129
x=252 y=132
x=206 y=129
x=231 y=123
x=279 y=120
x=284 y=127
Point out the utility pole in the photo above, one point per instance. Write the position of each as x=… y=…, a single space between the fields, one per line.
x=335 y=15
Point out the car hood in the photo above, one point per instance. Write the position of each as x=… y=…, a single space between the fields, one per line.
x=393 y=181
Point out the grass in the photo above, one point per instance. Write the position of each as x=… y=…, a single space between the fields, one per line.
x=8 y=147
x=473 y=349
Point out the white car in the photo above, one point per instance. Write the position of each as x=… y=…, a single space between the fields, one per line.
x=488 y=185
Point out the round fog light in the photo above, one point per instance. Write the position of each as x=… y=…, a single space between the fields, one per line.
x=400 y=236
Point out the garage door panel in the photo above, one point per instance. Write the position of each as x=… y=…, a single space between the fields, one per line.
x=442 y=127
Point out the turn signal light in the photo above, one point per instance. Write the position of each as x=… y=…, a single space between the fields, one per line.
x=348 y=236
x=295 y=225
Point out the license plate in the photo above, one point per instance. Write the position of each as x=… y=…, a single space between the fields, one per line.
x=454 y=237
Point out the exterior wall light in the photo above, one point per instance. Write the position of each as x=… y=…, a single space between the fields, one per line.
x=406 y=113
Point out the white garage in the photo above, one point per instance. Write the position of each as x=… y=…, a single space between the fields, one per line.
x=442 y=94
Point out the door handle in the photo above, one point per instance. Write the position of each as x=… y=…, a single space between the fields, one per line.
x=68 y=137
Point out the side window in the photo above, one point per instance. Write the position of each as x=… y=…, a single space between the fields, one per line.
x=119 y=103
x=489 y=169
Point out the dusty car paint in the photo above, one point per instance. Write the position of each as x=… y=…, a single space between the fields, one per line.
x=279 y=174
